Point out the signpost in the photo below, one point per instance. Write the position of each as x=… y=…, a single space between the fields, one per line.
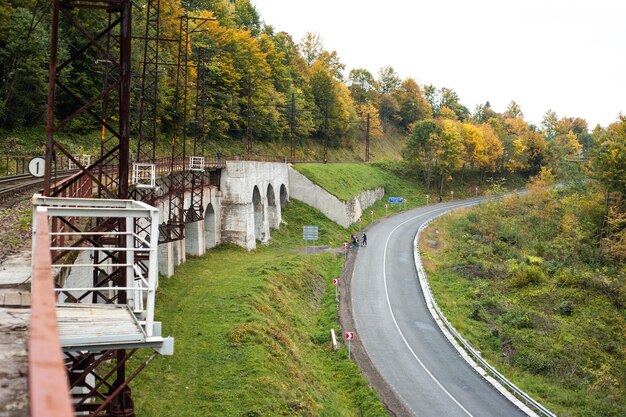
x=396 y=200
x=309 y=233
x=336 y=283
x=359 y=221
x=427 y=198
x=349 y=336
x=345 y=249
x=36 y=166
x=372 y=214
x=386 y=205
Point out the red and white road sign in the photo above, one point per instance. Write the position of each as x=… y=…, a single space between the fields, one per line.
x=372 y=212
x=359 y=220
x=336 y=281
x=350 y=335
x=345 y=245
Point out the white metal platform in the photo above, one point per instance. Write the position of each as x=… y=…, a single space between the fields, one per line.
x=95 y=327
x=89 y=326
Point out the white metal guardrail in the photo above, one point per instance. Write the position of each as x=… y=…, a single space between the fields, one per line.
x=142 y=273
x=469 y=349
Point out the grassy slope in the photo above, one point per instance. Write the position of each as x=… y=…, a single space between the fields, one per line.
x=252 y=331
x=31 y=141
x=252 y=328
x=535 y=300
x=252 y=338
x=344 y=181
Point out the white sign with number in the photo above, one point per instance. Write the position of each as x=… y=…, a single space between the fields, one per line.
x=37 y=167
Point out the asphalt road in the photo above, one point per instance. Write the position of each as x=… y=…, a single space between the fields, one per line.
x=400 y=336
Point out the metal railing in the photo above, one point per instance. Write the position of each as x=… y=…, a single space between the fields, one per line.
x=139 y=250
x=433 y=307
x=47 y=377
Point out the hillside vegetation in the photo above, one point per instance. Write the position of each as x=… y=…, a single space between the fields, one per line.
x=252 y=336
x=252 y=329
x=526 y=282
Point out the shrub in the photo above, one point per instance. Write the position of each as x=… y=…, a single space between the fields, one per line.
x=528 y=274
x=566 y=308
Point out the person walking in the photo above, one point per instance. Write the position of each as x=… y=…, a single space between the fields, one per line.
x=364 y=240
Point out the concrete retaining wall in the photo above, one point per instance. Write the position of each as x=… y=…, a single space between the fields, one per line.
x=341 y=212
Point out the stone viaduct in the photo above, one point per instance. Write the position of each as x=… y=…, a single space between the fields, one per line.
x=243 y=210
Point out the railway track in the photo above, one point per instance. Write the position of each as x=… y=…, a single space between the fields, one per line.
x=15 y=188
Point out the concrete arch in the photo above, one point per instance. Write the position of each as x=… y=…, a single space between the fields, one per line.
x=284 y=196
x=210 y=227
x=272 y=211
x=257 y=205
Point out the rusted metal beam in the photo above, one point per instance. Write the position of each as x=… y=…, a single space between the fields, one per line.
x=47 y=378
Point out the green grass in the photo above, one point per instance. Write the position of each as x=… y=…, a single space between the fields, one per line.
x=252 y=336
x=541 y=303
x=345 y=181
x=252 y=328
x=299 y=215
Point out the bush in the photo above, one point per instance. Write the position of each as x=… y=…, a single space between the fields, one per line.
x=528 y=274
x=566 y=308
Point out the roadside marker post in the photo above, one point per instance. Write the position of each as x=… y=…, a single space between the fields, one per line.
x=349 y=336
x=451 y=194
x=336 y=283
x=359 y=221
x=386 y=205
x=345 y=249
x=427 y=198
x=372 y=215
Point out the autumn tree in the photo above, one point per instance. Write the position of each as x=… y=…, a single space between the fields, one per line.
x=311 y=47
x=608 y=166
x=493 y=150
x=483 y=112
x=449 y=152
x=411 y=104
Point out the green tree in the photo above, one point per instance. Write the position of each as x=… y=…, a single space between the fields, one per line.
x=513 y=110
x=388 y=80
x=24 y=70
x=362 y=85
x=450 y=99
x=484 y=112
x=608 y=167
x=420 y=148
x=549 y=124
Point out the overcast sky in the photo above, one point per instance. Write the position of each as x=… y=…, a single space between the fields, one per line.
x=564 y=55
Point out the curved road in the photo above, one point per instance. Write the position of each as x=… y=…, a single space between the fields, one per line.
x=399 y=334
